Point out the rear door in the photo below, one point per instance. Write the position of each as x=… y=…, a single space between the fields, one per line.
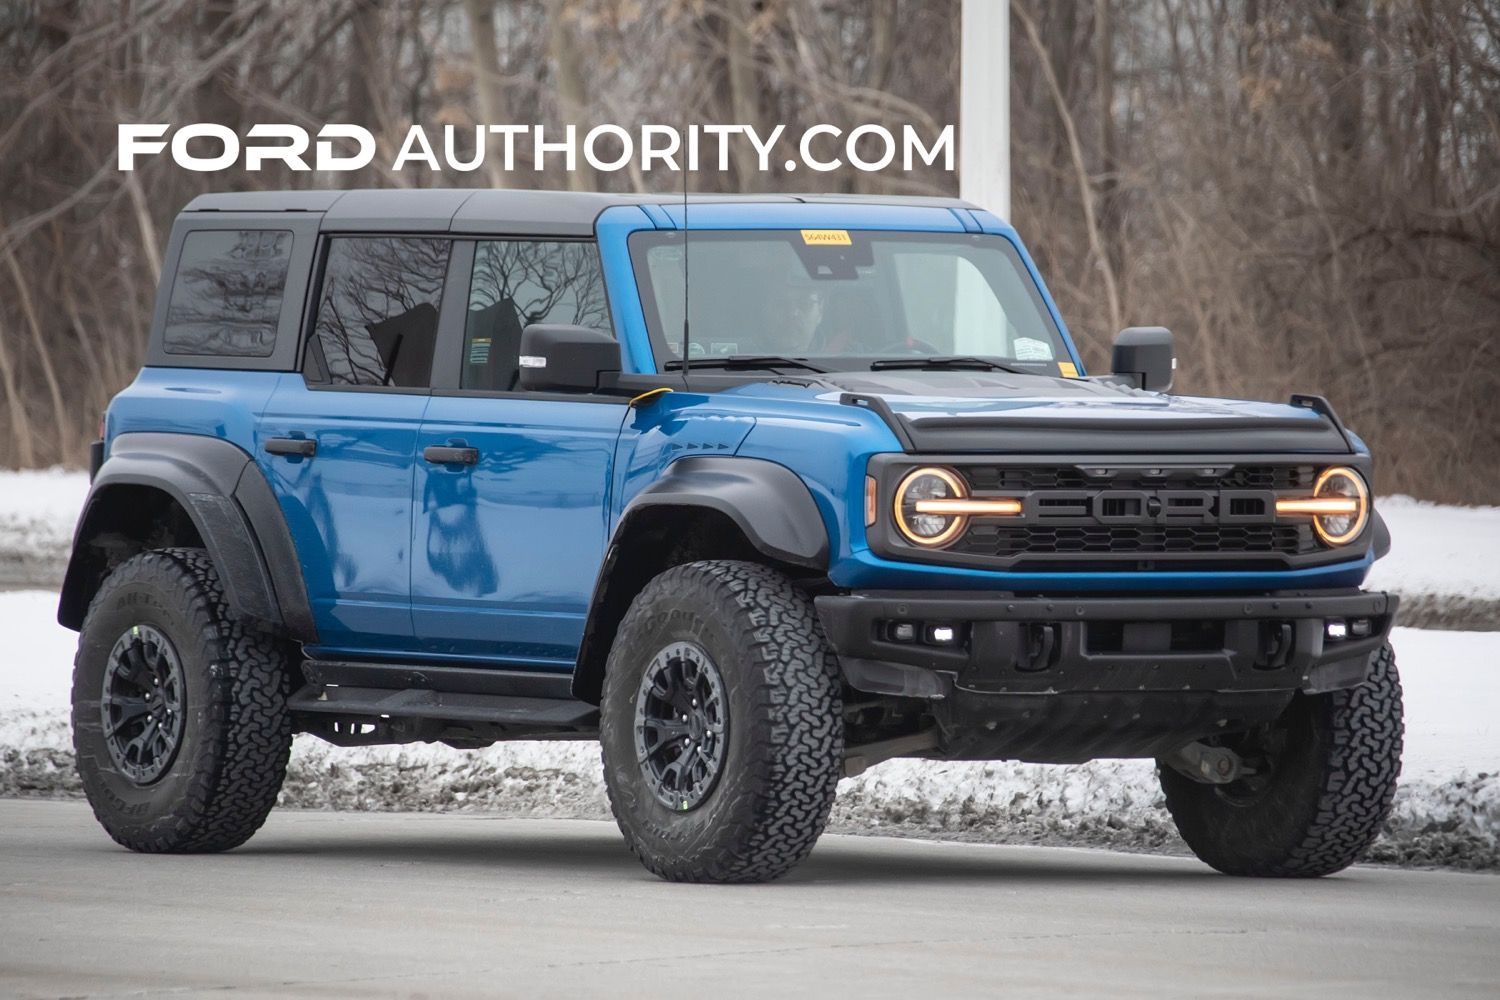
x=512 y=489
x=338 y=441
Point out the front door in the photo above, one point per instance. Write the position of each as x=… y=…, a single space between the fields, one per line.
x=338 y=441
x=511 y=493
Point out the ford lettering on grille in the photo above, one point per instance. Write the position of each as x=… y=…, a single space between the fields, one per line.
x=1151 y=506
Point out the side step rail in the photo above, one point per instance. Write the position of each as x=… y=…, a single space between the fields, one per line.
x=399 y=716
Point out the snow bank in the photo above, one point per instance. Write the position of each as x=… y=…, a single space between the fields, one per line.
x=38 y=510
x=1447 y=810
x=1439 y=549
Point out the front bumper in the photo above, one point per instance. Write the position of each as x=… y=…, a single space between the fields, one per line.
x=1054 y=678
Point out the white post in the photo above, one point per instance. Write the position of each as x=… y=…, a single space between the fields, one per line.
x=984 y=105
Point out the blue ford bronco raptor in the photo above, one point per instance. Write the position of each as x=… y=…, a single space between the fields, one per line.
x=756 y=491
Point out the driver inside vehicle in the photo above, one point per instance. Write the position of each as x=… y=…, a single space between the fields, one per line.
x=793 y=321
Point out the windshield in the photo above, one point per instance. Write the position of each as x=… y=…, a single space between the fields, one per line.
x=845 y=300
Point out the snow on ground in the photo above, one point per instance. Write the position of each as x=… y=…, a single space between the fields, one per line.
x=1447 y=809
x=38 y=510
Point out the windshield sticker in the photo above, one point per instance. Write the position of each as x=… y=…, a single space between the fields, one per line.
x=479 y=351
x=1028 y=349
x=723 y=348
x=827 y=238
x=1068 y=369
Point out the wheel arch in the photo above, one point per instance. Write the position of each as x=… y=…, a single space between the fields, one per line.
x=157 y=490
x=705 y=507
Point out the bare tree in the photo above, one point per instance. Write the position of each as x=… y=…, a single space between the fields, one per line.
x=1308 y=193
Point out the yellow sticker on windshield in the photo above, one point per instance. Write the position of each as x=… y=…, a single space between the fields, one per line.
x=826 y=238
x=1068 y=369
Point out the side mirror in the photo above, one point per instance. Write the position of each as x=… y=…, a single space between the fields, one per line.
x=563 y=358
x=1144 y=355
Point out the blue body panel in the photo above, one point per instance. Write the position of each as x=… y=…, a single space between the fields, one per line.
x=349 y=507
x=505 y=552
x=497 y=561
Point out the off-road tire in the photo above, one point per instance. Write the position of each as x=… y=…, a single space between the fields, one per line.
x=232 y=757
x=785 y=726
x=1328 y=796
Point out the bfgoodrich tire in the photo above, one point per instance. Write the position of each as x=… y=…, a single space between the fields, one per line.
x=721 y=724
x=180 y=722
x=1327 y=774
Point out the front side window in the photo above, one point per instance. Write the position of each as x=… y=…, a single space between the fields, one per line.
x=226 y=298
x=845 y=299
x=520 y=282
x=378 y=312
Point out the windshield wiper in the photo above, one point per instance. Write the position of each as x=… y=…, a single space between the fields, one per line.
x=746 y=362
x=942 y=361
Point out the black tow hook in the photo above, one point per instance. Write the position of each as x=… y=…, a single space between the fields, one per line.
x=1210 y=765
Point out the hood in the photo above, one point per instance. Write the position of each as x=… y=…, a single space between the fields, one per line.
x=947 y=411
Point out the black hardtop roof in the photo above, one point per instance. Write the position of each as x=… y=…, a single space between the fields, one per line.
x=458 y=210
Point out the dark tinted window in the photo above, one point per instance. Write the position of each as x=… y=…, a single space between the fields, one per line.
x=226 y=298
x=378 y=312
x=519 y=282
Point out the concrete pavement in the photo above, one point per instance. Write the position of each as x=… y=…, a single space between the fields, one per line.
x=355 y=904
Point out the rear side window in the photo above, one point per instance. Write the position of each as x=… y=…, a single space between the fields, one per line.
x=378 y=312
x=520 y=282
x=226 y=297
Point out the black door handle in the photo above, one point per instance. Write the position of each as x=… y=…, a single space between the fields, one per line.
x=439 y=454
x=306 y=447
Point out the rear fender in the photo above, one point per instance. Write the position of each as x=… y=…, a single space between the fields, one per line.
x=231 y=507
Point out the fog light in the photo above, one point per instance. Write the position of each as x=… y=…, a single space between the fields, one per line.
x=1360 y=628
x=941 y=635
x=903 y=632
x=1337 y=630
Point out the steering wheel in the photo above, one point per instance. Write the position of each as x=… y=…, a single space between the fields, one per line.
x=908 y=345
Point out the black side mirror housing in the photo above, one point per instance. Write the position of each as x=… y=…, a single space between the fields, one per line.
x=557 y=357
x=1144 y=355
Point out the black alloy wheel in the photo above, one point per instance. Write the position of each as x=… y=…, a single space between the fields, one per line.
x=681 y=725
x=142 y=706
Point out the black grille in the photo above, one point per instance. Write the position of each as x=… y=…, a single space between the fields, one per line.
x=986 y=538
x=1077 y=512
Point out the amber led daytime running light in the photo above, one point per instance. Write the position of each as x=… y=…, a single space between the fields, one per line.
x=1320 y=507
x=970 y=507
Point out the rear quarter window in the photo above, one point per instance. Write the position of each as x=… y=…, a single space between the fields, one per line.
x=227 y=293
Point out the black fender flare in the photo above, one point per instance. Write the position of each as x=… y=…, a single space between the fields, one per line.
x=770 y=505
x=768 y=502
x=1381 y=541
x=231 y=505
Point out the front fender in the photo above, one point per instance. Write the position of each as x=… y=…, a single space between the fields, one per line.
x=768 y=502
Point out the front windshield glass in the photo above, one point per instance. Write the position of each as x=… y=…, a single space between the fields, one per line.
x=844 y=300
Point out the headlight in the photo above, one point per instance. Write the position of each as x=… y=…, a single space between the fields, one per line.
x=1340 y=505
x=933 y=506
